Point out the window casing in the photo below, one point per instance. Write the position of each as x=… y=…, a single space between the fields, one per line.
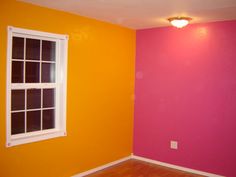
x=36 y=86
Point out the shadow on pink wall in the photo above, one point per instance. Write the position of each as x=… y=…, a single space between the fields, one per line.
x=186 y=91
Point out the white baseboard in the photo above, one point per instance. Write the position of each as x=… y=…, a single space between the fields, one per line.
x=175 y=166
x=149 y=161
x=102 y=167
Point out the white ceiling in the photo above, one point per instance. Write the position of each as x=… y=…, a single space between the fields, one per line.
x=138 y=14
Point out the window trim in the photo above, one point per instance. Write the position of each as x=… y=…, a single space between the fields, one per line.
x=61 y=84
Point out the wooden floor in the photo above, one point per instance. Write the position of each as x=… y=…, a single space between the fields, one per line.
x=136 y=168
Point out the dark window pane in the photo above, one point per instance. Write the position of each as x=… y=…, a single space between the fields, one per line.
x=48 y=119
x=17 y=123
x=48 y=72
x=32 y=72
x=48 y=98
x=17 y=100
x=33 y=98
x=32 y=49
x=18 y=48
x=33 y=121
x=17 y=72
x=48 y=50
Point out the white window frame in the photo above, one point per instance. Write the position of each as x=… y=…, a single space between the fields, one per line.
x=60 y=85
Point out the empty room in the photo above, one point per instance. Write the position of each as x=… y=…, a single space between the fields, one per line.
x=118 y=88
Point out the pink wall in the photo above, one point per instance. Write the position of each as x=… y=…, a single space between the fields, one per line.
x=186 y=91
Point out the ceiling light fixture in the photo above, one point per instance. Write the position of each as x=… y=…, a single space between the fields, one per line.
x=179 y=22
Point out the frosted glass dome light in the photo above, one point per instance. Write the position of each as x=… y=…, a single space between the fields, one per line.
x=179 y=22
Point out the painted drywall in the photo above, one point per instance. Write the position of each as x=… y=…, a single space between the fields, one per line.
x=186 y=91
x=100 y=95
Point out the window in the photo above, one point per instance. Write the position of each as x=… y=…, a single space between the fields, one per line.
x=36 y=86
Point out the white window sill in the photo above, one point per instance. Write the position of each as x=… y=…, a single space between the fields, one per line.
x=34 y=136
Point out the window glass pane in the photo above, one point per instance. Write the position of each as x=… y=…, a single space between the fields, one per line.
x=33 y=121
x=48 y=98
x=17 y=123
x=48 y=50
x=17 y=71
x=48 y=119
x=33 y=98
x=17 y=100
x=17 y=48
x=32 y=72
x=48 y=72
x=32 y=49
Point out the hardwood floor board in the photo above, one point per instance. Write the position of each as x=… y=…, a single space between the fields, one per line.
x=137 y=168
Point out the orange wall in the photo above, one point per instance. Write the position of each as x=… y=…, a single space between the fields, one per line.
x=100 y=94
